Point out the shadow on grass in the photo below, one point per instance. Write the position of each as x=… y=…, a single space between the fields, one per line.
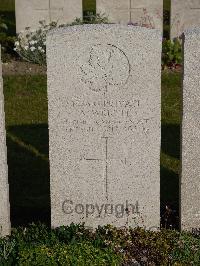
x=169 y=188
x=169 y=180
x=28 y=174
x=171 y=140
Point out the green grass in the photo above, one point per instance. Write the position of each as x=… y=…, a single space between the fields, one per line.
x=89 y=5
x=167 y=4
x=27 y=141
x=7 y=5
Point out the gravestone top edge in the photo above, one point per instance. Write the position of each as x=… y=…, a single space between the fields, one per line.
x=192 y=31
x=93 y=27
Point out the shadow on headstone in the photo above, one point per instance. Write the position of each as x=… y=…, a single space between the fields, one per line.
x=28 y=174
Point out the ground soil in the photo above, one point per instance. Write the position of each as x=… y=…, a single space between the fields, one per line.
x=22 y=68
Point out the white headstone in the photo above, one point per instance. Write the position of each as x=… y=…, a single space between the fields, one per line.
x=104 y=123
x=184 y=15
x=4 y=190
x=190 y=182
x=147 y=13
x=30 y=12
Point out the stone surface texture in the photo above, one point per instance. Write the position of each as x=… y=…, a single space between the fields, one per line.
x=184 y=15
x=4 y=190
x=148 y=13
x=190 y=182
x=104 y=86
x=30 y=12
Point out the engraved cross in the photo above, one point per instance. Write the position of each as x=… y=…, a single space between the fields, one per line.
x=106 y=161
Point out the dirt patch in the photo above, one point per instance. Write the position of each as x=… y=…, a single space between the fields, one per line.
x=22 y=68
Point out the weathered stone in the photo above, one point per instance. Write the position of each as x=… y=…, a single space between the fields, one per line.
x=104 y=125
x=141 y=12
x=30 y=12
x=4 y=190
x=190 y=182
x=184 y=15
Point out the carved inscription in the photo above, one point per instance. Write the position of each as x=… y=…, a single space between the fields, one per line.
x=106 y=109
x=105 y=65
x=109 y=116
x=104 y=68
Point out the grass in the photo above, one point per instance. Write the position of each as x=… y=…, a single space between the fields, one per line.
x=167 y=4
x=89 y=5
x=7 y=5
x=27 y=141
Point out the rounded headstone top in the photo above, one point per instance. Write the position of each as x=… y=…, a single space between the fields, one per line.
x=98 y=27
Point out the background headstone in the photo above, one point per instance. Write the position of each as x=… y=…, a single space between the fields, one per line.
x=148 y=13
x=104 y=124
x=30 y=12
x=4 y=189
x=190 y=182
x=184 y=15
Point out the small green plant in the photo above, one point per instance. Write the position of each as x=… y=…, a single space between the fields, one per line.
x=108 y=245
x=7 y=251
x=31 y=45
x=187 y=250
x=73 y=254
x=172 y=53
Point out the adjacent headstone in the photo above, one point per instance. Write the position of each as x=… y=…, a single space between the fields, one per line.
x=104 y=124
x=139 y=12
x=184 y=15
x=30 y=12
x=190 y=182
x=4 y=190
